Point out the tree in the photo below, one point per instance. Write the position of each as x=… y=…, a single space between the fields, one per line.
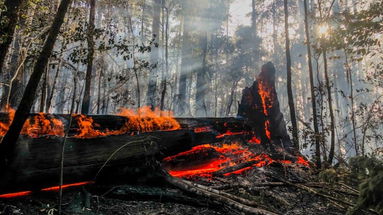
x=22 y=112
x=88 y=79
x=312 y=91
x=154 y=55
x=289 y=87
x=7 y=27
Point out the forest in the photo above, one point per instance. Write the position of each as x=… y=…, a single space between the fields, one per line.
x=191 y=107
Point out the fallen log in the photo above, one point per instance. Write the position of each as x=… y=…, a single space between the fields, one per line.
x=36 y=161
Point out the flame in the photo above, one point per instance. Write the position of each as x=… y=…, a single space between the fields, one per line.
x=86 y=127
x=266 y=97
x=4 y=126
x=142 y=120
x=40 y=125
x=36 y=126
x=265 y=92
x=267 y=129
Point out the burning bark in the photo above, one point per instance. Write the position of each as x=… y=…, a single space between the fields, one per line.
x=260 y=106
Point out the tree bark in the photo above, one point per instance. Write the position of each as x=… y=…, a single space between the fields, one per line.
x=7 y=29
x=88 y=79
x=289 y=85
x=201 y=84
x=154 y=56
x=329 y=99
x=313 y=98
x=182 y=108
x=9 y=141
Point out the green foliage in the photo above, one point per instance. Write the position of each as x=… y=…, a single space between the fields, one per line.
x=328 y=175
x=370 y=171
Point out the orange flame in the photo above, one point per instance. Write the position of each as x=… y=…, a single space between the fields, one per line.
x=142 y=120
x=36 y=126
x=40 y=125
x=4 y=126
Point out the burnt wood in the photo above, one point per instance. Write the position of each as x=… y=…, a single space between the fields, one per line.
x=37 y=160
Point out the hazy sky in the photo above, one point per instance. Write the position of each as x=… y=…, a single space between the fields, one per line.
x=239 y=11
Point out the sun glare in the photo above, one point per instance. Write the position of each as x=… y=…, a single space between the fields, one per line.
x=323 y=30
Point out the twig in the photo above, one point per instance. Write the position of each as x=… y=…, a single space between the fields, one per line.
x=62 y=165
x=150 y=138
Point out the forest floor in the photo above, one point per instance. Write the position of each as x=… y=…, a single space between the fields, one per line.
x=295 y=193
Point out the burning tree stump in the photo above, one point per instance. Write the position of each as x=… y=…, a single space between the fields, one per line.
x=260 y=106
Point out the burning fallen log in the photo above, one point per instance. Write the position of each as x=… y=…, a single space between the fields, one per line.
x=105 y=142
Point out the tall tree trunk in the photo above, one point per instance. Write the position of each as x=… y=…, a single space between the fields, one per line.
x=166 y=72
x=255 y=49
x=43 y=97
x=99 y=92
x=201 y=79
x=349 y=77
x=7 y=29
x=50 y=97
x=289 y=85
x=88 y=79
x=313 y=98
x=185 y=65
x=329 y=99
x=9 y=141
x=154 y=56
x=73 y=103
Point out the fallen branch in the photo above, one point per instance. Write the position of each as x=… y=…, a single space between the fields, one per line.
x=217 y=196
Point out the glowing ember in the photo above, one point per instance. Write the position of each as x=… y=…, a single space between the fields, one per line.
x=229 y=133
x=302 y=161
x=202 y=129
x=267 y=129
x=55 y=188
x=254 y=140
x=228 y=155
x=18 y=194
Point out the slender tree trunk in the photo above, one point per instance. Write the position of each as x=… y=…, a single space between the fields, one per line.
x=7 y=29
x=43 y=97
x=154 y=56
x=99 y=92
x=73 y=103
x=329 y=99
x=185 y=67
x=289 y=85
x=313 y=98
x=22 y=112
x=164 y=87
x=349 y=74
x=49 y=99
x=201 y=79
x=88 y=79
x=255 y=49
